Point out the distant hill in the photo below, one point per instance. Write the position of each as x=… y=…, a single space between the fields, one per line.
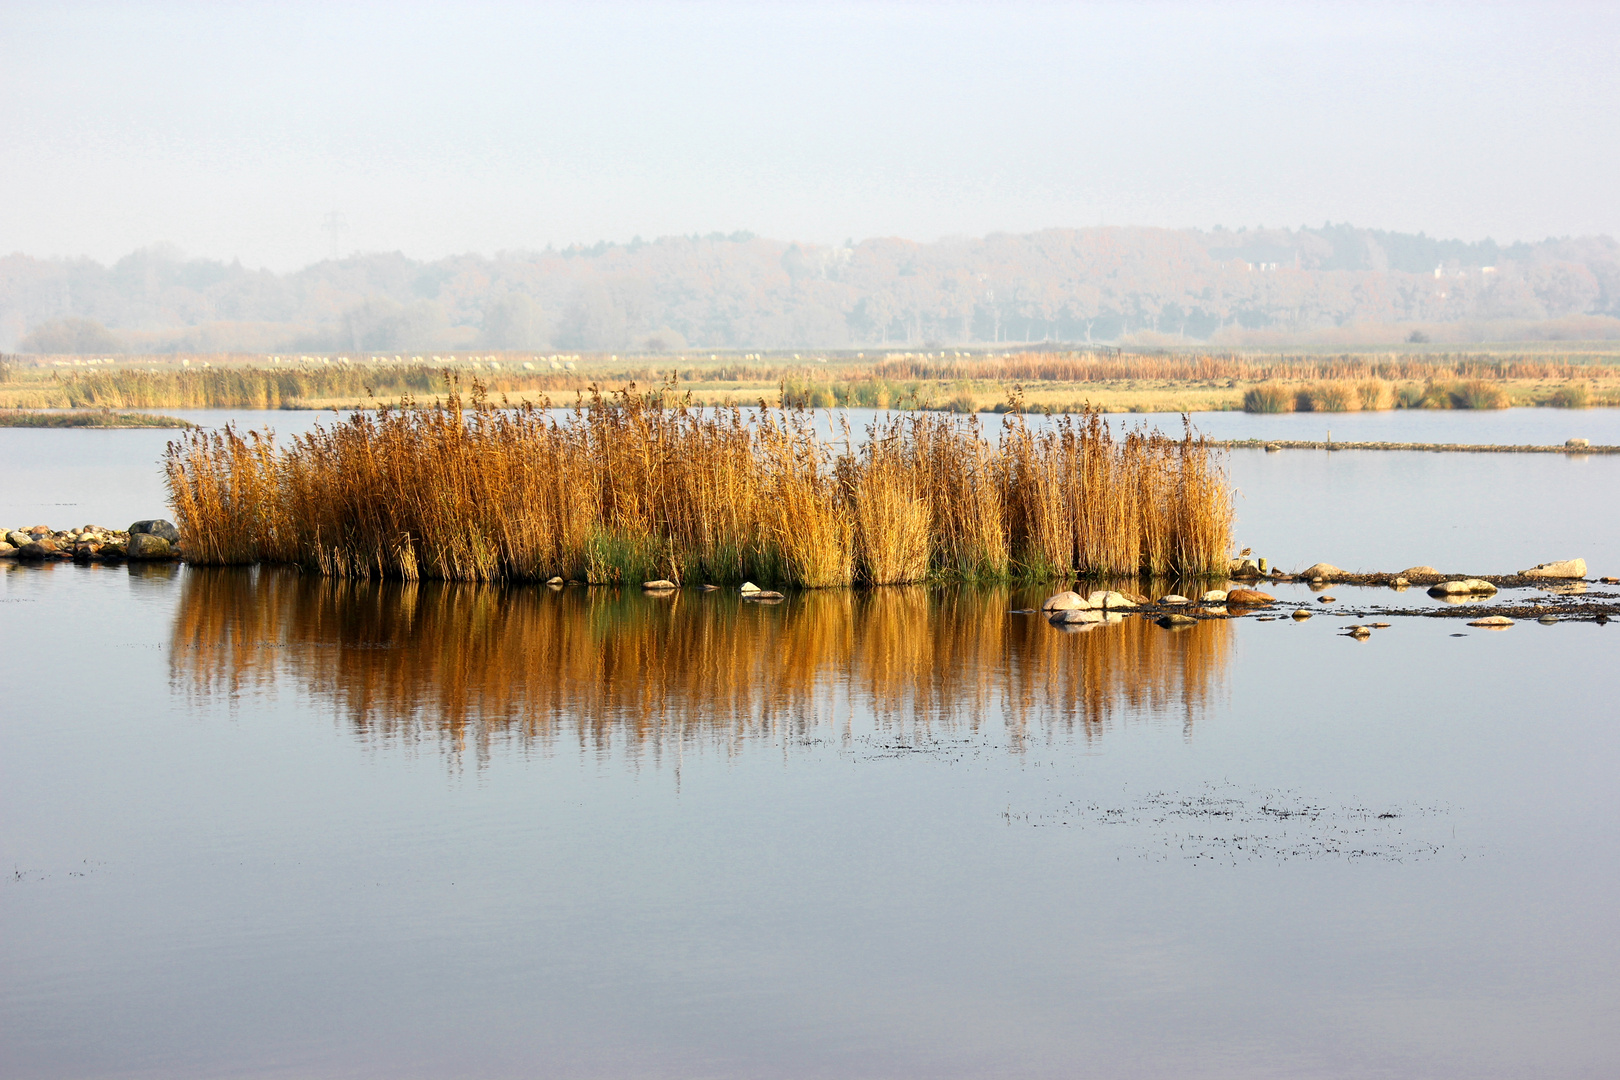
x=1138 y=285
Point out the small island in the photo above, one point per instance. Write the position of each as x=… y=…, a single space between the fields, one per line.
x=98 y=419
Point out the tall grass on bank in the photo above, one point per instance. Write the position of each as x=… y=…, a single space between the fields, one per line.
x=1268 y=398
x=629 y=486
x=1573 y=396
x=1091 y=367
x=1375 y=394
x=273 y=388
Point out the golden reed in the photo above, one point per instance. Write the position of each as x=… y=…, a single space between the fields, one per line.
x=629 y=487
x=476 y=665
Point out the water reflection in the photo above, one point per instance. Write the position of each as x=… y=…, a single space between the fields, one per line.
x=478 y=665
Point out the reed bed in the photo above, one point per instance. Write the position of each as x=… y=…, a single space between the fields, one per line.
x=629 y=487
x=1114 y=367
x=1573 y=396
x=274 y=388
x=1376 y=394
x=472 y=666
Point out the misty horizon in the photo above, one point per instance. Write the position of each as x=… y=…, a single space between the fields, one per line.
x=740 y=291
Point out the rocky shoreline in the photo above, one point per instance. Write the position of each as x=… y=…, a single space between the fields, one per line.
x=1567 y=592
x=152 y=540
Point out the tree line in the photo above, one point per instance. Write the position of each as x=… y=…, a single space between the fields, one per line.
x=742 y=291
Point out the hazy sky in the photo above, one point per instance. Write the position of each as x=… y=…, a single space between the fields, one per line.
x=233 y=130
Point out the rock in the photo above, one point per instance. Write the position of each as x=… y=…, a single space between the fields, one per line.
x=1419 y=573
x=1379 y=625
x=84 y=552
x=1610 y=580
x=112 y=550
x=1360 y=633
x=6 y=549
x=1301 y=614
x=1174 y=598
x=1213 y=596
x=1243 y=568
x=1116 y=601
x=1577 y=444
x=1249 y=598
x=1326 y=599
x=157 y=527
x=1076 y=615
x=1399 y=583
x=1174 y=619
x=37 y=549
x=1568 y=568
x=1136 y=599
x=748 y=587
x=1273 y=448
x=1462 y=587
x=1493 y=622
x=1064 y=601
x=763 y=594
x=554 y=581
x=708 y=588
x=148 y=546
x=659 y=585
x=1323 y=571
x=17 y=538
x=1547 y=620
x=40 y=530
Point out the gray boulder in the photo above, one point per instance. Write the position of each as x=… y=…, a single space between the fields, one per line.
x=148 y=546
x=164 y=530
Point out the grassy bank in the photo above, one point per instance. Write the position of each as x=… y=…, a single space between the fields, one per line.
x=1049 y=382
x=634 y=486
x=1377 y=394
x=99 y=418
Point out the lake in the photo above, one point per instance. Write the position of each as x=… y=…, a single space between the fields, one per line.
x=263 y=824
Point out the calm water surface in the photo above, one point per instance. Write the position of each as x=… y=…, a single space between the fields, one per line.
x=258 y=824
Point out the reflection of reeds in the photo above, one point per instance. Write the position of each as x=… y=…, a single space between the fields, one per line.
x=477 y=663
x=627 y=488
